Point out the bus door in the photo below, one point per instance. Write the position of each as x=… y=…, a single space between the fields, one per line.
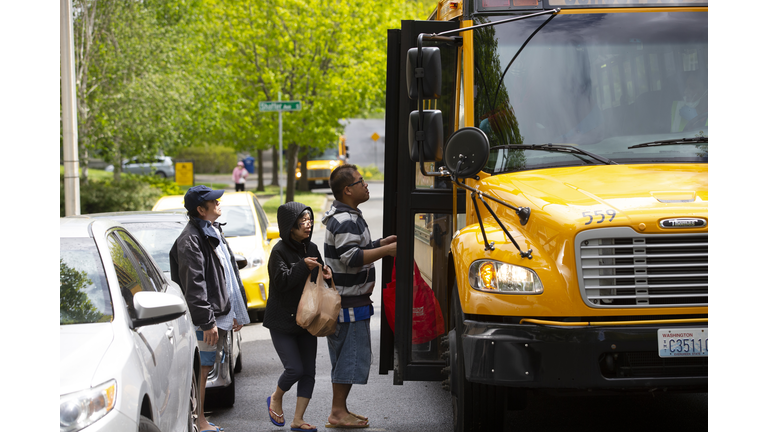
x=419 y=210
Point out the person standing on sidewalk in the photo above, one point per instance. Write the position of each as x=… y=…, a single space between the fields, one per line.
x=205 y=268
x=239 y=174
x=350 y=253
x=291 y=262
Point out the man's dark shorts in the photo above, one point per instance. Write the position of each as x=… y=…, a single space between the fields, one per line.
x=208 y=352
x=350 y=351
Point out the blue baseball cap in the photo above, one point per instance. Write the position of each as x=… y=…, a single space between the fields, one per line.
x=197 y=195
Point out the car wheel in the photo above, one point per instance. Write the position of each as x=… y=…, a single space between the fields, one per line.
x=147 y=425
x=239 y=362
x=193 y=404
x=228 y=393
x=160 y=174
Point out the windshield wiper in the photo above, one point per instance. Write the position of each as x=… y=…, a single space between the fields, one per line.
x=678 y=141
x=563 y=148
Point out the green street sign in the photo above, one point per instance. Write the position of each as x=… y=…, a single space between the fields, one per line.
x=280 y=106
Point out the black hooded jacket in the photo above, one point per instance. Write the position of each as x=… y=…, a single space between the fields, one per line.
x=287 y=271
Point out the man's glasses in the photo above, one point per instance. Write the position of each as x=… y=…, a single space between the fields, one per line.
x=359 y=181
x=308 y=222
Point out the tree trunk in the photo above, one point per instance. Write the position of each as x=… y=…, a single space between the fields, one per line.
x=293 y=151
x=275 y=166
x=260 y=156
x=303 y=182
x=84 y=166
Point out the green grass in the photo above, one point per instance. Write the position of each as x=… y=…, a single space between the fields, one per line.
x=313 y=200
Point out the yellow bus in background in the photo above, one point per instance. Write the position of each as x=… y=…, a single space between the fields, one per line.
x=320 y=164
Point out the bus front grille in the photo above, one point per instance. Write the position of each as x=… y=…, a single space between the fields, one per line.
x=619 y=268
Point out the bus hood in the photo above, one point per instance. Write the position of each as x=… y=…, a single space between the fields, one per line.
x=639 y=196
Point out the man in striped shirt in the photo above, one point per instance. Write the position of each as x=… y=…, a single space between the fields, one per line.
x=350 y=253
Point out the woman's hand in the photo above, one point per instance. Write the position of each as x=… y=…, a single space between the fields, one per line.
x=327 y=272
x=311 y=263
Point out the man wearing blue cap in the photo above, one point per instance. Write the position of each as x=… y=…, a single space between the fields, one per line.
x=205 y=268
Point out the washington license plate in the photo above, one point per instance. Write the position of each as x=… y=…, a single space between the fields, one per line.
x=688 y=342
x=318 y=182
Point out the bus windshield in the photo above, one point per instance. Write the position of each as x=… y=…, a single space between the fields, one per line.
x=602 y=82
x=328 y=154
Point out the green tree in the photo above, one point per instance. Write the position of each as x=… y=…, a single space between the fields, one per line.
x=330 y=56
x=134 y=91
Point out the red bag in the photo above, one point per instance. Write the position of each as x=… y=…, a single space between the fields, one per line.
x=427 y=316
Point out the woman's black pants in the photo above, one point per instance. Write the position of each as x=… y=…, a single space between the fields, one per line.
x=298 y=354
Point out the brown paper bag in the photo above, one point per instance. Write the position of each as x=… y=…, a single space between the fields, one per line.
x=319 y=307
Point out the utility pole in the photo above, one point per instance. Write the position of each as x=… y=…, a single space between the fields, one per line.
x=69 y=112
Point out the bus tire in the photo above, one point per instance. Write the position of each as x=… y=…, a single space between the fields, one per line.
x=476 y=407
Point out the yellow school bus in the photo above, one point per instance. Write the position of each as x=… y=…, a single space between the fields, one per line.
x=547 y=160
x=320 y=163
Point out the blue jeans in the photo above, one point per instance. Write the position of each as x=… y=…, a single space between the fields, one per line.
x=350 y=351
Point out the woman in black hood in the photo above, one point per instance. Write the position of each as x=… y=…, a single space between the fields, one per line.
x=291 y=261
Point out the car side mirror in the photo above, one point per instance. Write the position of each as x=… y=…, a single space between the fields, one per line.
x=467 y=152
x=241 y=261
x=431 y=135
x=156 y=307
x=273 y=232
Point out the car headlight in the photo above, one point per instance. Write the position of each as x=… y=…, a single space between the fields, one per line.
x=80 y=409
x=498 y=277
x=255 y=259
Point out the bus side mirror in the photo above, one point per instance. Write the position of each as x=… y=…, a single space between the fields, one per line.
x=430 y=72
x=431 y=134
x=467 y=151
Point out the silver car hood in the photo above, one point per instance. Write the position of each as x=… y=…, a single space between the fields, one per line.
x=81 y=347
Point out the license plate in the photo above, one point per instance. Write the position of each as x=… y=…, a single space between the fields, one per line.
x=318 y=182
x=689 y=342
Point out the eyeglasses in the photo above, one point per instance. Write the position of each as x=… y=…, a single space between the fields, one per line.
x=359 y=181
x=308 y=222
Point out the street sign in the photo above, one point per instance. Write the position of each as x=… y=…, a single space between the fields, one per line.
x=185 y=173
x=279 y=106
x=375 y=137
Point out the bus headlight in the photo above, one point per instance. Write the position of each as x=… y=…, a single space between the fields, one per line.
x=498 y=277
x=80 y=409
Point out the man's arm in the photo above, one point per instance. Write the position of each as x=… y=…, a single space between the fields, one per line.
x=371 y=255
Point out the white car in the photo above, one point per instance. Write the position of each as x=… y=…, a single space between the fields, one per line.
x=128 y=351
x=157 y=231
x=159 y=165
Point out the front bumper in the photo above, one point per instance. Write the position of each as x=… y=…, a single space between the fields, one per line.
x=588 y=357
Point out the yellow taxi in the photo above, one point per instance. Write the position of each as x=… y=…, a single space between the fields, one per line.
x=249 y=234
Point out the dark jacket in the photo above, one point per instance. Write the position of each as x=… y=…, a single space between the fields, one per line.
x=198 y=271
x=288 y=272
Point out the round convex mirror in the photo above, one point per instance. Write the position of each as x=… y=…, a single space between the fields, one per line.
x=469 y=146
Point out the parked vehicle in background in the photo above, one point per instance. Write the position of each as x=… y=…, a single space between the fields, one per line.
x=157 y=231
x=249 y=234
x=321 y=163
x=128 y=351
x=161 y=166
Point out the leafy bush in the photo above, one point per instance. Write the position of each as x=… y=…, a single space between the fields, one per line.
x=132 y=193
x=371 y=172
x=210 y=159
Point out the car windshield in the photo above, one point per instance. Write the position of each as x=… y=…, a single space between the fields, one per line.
x=330 y=154
x=83 y=291
x=157 y=238
x=602 y=82
x=239 y=221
